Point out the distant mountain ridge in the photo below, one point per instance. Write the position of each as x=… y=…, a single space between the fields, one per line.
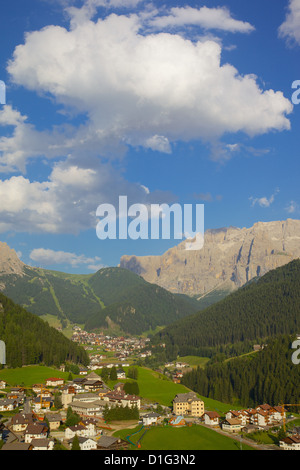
x=230 y=258
x=112 y=298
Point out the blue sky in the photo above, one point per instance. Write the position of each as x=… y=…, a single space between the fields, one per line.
x=175 y=102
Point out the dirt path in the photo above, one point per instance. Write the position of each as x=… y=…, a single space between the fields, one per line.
x=120 y=425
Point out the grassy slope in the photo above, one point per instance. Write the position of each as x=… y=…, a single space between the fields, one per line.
x=183 y=438
x=30 y=375
x=155 y=387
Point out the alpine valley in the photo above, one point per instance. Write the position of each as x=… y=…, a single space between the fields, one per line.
x=143 y=294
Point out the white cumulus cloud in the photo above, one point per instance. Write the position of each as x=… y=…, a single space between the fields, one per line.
x=264 y=201
x=47 y=257
x=208 y=18
x=290 y=28
x=135 y=87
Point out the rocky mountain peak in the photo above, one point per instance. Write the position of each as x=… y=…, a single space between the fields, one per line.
x=230 y=257
x=9 y=261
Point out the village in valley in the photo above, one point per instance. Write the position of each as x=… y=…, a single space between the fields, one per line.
x=86 y=410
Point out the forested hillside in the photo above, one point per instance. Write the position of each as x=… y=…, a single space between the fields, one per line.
x=30 y=340
x=264 y=308
x=268 y=376
x=134 y=304
x=110 y=296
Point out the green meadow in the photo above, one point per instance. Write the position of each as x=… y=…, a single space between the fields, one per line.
x=153 y=386
x=30 y=375
x=182 y=438
x=157 y=388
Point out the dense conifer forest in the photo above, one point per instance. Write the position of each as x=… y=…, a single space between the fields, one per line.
x=268 y=376
x=110 y=296
x=264 y=308
x=30 y=340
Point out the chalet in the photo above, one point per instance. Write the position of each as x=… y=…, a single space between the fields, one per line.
x=261 y=416
x=278 y=413
x=120 y=398
x=45 y=393
x=290 y=443
x=35 y=431
x=92 y=384
x=239 y=414
x=20 y=421
x=150 y=418
x=8 y=404
x=111 y=443
x=77 y=429
x=121 y=374
x=75 y=387
x=181 y=365
x=86 y=443
x=2 y=384
x=211 y=418
x=80 y=430
x=232 y=425
x=18 y=395
x=17 y=390
x=40 y=403
x=54 y=420
x=54 y=382
x=42 y=444
x=78 y=381
x=264 y=407
x=36 y=388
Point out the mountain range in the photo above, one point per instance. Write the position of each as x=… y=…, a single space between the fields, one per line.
x=229 y=259
x=112 y=298
x=146 y=293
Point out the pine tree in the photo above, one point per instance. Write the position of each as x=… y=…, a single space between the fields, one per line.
x=75 y=443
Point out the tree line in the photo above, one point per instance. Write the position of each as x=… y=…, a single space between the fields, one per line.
x=30 y=340
x=267 y=376
x=264 y=308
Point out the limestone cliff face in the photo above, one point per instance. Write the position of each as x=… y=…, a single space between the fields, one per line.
x=230 y=257
x=9 y=261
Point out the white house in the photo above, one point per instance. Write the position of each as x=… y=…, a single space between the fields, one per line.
x=94 y=408
x=240 y=415
x=35 y=431
x=290 y=443
x=42 y=444
x=8 y=404
x=81 y=430
x=121 y=374
x=232 y=425
x=150 y=418
x=211 y=418
x=54 y=382
x=85 y=443
x=277 y=413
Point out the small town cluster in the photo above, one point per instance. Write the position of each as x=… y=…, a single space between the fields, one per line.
x=121 y=347
x=38 y=425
